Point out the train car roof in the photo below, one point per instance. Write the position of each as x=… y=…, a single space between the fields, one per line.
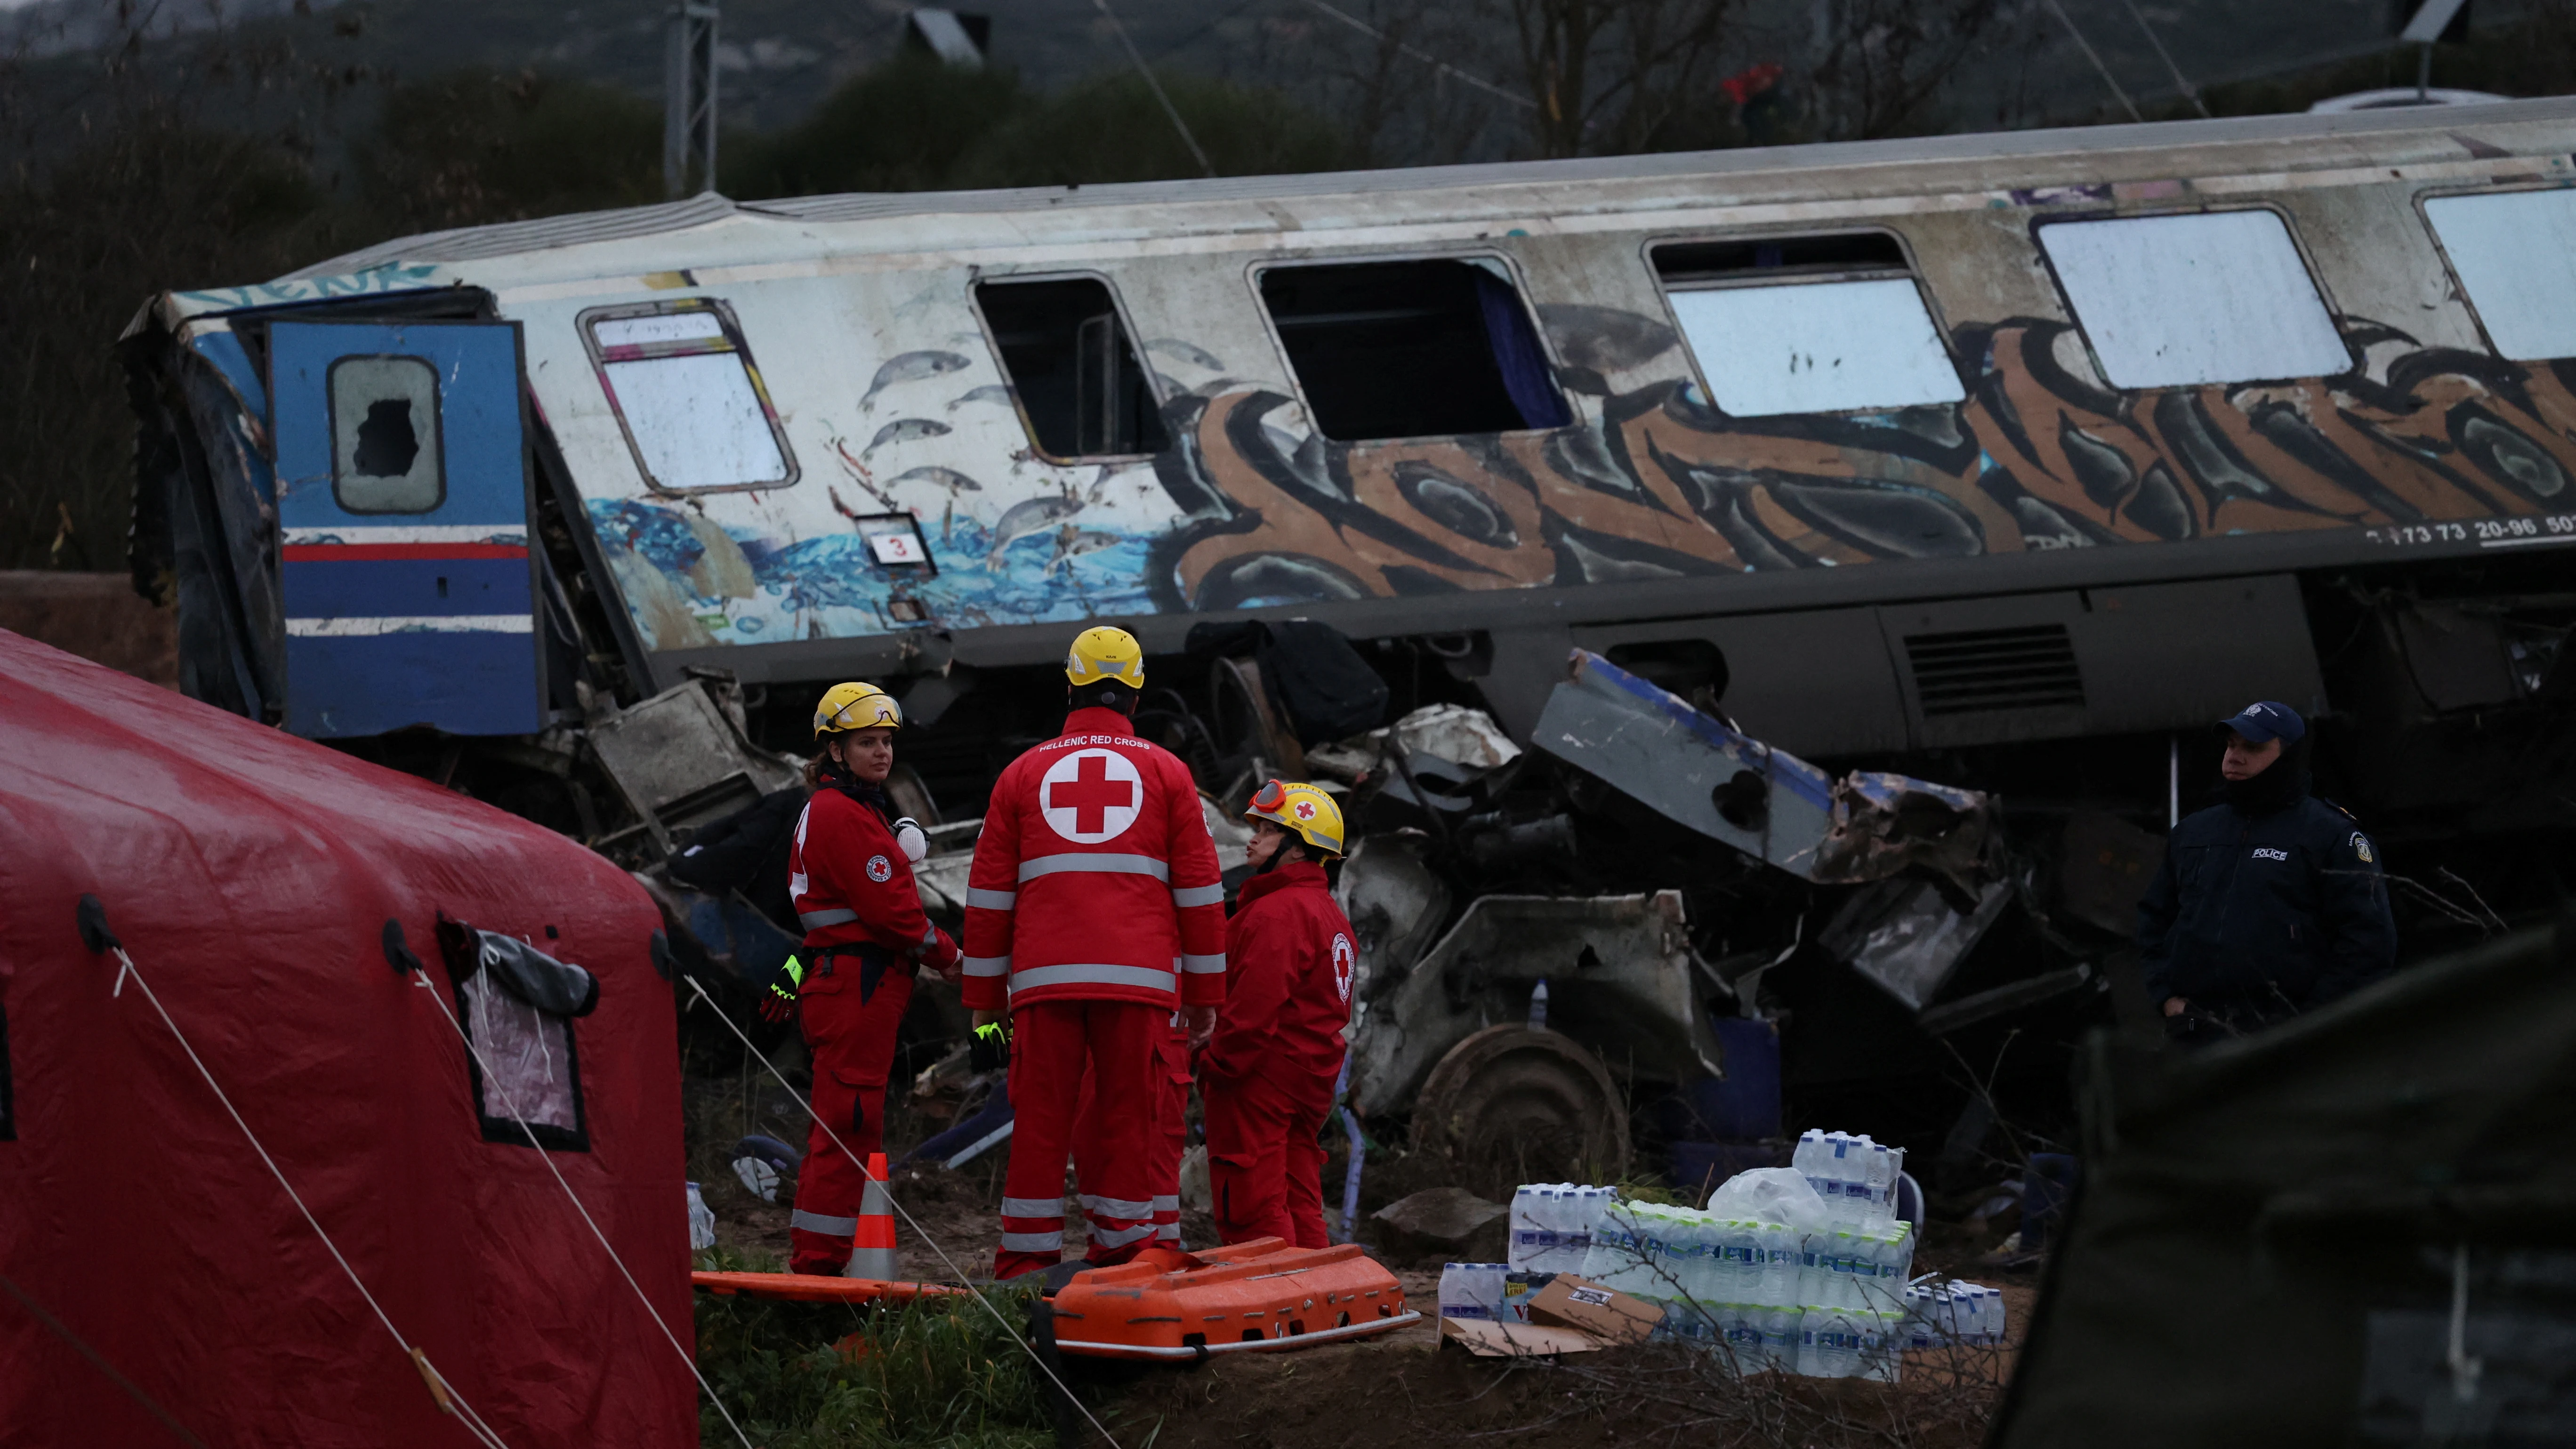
x=712 y=230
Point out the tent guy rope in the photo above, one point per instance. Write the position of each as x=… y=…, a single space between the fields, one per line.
x=441 y=1392
x=420 y=978
x=892 y=1201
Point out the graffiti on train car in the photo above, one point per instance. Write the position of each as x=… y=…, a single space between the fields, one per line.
x=1249 y=508
x=2038 y=456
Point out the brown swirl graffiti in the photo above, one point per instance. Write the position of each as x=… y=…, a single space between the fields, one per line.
x=2038 y=456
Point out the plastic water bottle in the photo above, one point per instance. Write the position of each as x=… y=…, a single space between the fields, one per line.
x=1779 y=1265
x=1779 y=1337
x=1538 y=1006
x=702 y=1222
x=1524 y=1231
x=1881 y=1349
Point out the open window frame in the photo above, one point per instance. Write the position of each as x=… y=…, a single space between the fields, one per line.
x=1512 y=276
x=1897 y=266
x=1128 y=334
x=730 y=340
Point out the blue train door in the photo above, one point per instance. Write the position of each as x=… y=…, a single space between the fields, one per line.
x=402 y=497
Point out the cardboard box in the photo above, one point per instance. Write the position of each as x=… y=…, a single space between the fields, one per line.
x=1493 y=1338
x=1599 y=1313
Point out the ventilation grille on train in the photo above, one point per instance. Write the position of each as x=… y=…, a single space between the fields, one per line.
x=1987 y=669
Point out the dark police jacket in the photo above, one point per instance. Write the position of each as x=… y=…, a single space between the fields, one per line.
x=2266 y=914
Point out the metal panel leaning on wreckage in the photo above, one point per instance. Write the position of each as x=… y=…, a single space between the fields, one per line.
x=1905 y=936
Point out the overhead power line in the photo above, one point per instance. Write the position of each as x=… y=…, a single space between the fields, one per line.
x=2103 y=70
x=1424 y=56
x=1147 y=71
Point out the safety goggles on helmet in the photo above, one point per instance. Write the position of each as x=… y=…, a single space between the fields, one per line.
x=856 y=706
x=1305 y=811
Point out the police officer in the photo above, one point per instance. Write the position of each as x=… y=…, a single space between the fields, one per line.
x=2267 y=905
x=850 y=873
x=1094 y=912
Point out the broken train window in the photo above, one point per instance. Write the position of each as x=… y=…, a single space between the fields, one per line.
x=518 y=1005
x=2194 y=298
x=385 y=442
x=1807 y=324
x=685 y=390
x=1412 y=349
x=1069 y=361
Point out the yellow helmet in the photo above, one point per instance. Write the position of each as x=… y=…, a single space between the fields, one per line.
x=1305 y=811
x=1104 y=655
x=856 y=705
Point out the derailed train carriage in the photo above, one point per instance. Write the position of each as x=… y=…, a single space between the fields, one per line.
x=2009 y=461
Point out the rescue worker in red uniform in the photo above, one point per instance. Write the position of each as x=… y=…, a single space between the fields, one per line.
x=865 y=933
x=1094 y=911
x=1268 y=1072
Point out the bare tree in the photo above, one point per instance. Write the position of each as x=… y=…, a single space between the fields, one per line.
x=1617 y=76
x=1880 y=64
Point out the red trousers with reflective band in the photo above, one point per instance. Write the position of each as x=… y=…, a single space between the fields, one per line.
x=1265 y=1159
x=1114 y=1142
x=1172 y=1130
x=853 y=1045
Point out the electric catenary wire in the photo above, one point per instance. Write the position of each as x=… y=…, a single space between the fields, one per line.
x=442 y=1392
x=421 y=979
x=951 y=1263
x=1424 y=56
x=1156 y=87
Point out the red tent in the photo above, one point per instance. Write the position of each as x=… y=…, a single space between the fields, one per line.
x=157 y=1286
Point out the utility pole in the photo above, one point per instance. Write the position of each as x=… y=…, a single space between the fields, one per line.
x=689 y=98
x=2433 y=21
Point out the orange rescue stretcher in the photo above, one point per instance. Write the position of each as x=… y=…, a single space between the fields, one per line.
x=1260 y=1296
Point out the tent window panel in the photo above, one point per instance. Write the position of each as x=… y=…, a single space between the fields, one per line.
x=1072 y=367
x=2179 y=301
x=1412 y=349
x=533 y=1076
x=385 y=443
x=689 y=398
x=1817 y=347
x=2515 y=255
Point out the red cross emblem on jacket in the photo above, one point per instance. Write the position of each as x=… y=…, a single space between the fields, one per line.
x=1095 y=879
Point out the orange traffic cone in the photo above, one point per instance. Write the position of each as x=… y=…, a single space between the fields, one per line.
x=872 y=1252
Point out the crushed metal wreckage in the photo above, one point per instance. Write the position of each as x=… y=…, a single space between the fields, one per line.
x=1480 y=872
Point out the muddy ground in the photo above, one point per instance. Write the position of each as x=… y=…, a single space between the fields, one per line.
x=1404 y=1387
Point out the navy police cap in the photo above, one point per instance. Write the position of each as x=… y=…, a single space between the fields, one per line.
x=2266 y=721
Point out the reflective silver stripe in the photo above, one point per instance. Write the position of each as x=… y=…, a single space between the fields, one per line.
x=1169 y=1232
x=1033 y=1207
x=1206 y=895
x=1033 y=1242
x=1094 y=865
x=1168 y=1203
x=1117 y=1207
x=988 y=965
x=930 y=935
x=817 y=1223
x=1204 y=965
x=1147 y=978
x=817 y=920
x=1118 y=1239
x=990 y=900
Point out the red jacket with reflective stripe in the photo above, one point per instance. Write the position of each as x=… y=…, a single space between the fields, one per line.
x=852 y=885
x=1289 y=955
x=1095 y=879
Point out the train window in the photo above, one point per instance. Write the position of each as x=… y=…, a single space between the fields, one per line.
x=384 y=435
x=2208 y=297
x=1070 y=364
x=1818 y=324
x=1412 y=349
x=2515 y=254
x=685 y=390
